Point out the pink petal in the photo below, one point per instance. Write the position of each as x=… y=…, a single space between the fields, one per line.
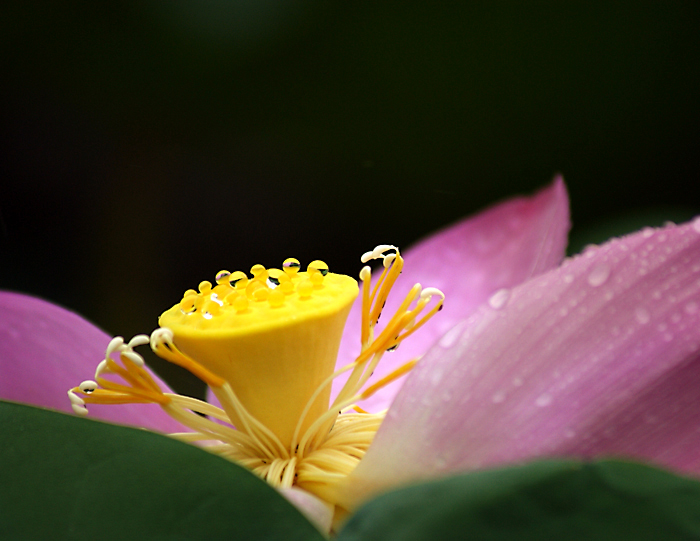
x=318 y=512
x=598 y=357
x=45 y=350
x=469 y=261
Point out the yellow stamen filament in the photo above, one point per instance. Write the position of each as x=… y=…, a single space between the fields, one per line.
x=396 y=374
x=168 y=351
x=229 y=335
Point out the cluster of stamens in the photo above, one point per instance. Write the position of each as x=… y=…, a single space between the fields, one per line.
x=323 y=447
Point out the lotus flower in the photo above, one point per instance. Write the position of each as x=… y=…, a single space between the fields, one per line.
x=598 y=355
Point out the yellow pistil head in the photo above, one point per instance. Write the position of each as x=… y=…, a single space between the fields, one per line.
x=274 y=345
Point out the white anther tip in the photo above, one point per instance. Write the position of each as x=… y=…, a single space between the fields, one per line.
x=389 y=259
x=88 y=386
x=102 y=367
x=75 y=399
x=134 y=357
x=381 y=248
x=139 y=340
x=80 y=410
x=430 y=291
x=114 y=344
x=365 y=274
x=367 y=256
x=163 y=334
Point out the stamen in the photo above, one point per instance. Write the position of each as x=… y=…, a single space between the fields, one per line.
x=162 y=344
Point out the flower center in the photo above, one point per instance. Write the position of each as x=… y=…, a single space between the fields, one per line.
x=266 y=345
x=273 y=340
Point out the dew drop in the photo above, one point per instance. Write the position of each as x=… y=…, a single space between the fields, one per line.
x=691 y=308
x=696 y=224
x=568 y=278
x=647 y=232
x=642 y=315
x=498 y=397
x=599 y=275
x=450 y=337
x=569 y=433
x=499 y=299
x=436 y=376
x=517 y=382
x=543 y=400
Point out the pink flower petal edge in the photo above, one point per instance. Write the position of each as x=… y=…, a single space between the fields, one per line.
x=319 y=513
x=45 y=350
x=600 y=357
x=498 y=248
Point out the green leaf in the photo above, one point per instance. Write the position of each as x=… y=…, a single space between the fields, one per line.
x=63 y=477
x=562 y=500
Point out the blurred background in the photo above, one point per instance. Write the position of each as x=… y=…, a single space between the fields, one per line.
x=147 y=145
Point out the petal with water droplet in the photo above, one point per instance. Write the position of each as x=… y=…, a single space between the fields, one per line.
x=469 y=261
x=592 y=379
x=45 y=350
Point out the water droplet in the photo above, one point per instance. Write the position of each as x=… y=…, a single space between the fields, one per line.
x=450 y=337
x=691 y=308
x=668 y=337
x=647 y=232
x=642 y=315
x=568 y=278
x=599 y=275
x=696 y=224
x=569 y=433
x=543 y=400
x=499 y=299
x=498 y=397
x=436 y=376
x=517 y=382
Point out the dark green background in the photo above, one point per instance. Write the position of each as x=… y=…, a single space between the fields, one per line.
x=147 y=145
